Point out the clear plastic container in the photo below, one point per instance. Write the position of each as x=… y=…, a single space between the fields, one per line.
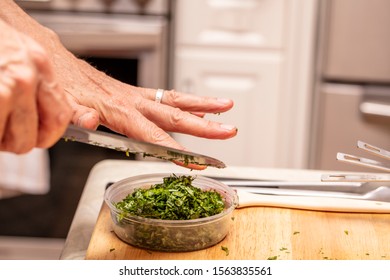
x=170 y=235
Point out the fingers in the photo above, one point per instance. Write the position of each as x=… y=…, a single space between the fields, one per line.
x=6 y=85
x=190 y=102
x=175 y=120
x=54 y=111
x=19 y=122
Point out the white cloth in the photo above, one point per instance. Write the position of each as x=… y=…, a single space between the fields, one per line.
x=28 y=173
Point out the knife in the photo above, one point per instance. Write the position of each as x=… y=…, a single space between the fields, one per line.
x=128 y=145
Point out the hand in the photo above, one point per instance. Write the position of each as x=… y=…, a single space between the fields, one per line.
x=34 y=110
x=132 y=111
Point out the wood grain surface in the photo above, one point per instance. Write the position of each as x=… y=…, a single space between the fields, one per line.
x=259 y=233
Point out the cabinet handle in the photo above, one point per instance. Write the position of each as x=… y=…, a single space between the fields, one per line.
x=375 y=109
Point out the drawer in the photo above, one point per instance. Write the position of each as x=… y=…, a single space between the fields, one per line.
x=358 y=41
x=242 y=23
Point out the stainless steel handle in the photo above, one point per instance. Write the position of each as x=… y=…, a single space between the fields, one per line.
x=376 y=101
x=375 y=109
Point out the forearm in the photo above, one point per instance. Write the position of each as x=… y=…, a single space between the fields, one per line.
x=12 y=14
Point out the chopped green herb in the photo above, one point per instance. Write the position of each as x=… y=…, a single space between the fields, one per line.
x=346 y=232
x=112 y=249
x=127 y=152
x=367 y=254
x=226 y=249
x=296 y=232
x=283 y=249
x=233 y=218
x=272 y=258
x=174 y=199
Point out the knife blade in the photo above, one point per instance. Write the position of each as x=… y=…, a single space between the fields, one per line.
x=128 y=145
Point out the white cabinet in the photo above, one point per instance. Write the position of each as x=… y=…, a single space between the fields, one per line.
x=239 y=23
x=245 y=50
x=252 y=82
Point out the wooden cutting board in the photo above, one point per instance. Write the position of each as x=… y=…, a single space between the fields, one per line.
x=259 y=233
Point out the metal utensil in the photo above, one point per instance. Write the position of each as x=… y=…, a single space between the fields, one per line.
x=375 y=191
x=352 y=197
x=127 y=145
x=363 y=162
x=327 y=204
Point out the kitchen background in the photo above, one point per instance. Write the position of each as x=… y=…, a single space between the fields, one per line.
x=309 y=79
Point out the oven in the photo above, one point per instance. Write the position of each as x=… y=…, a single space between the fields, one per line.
x=127 y=39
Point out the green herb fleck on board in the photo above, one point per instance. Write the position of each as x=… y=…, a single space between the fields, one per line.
x=112 y=249
x=296 y=232
x=346 y=232
x=225 y=249
x=272 y=258
x=283 y=249
x=233 y=218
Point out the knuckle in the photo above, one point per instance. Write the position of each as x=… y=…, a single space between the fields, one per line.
x=36 y=51
x=159 y=135
x=174 y=97
x=39 y=55
x=26 y=79
x=6 y=93
x=177 y=117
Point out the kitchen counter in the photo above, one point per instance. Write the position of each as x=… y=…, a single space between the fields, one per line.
x=302 y=224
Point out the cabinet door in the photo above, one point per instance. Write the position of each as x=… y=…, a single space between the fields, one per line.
x=248 y=23
x=252 y=81
x=358 y=41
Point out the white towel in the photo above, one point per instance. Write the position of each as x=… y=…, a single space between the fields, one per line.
x=24 y=174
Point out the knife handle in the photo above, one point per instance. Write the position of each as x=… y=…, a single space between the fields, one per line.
x=327 y=204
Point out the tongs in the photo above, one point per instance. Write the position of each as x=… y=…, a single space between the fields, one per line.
x=352 y=159
x=347 y=187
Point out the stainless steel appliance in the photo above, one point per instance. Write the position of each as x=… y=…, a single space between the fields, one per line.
x=128 y=39
x=353 y=89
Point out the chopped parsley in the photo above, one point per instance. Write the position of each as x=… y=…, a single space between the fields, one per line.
x=174 y=199
x=226 y=249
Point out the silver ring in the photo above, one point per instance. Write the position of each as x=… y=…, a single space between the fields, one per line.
x=159 y=95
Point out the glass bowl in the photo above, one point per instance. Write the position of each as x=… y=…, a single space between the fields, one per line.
x=170 y=235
